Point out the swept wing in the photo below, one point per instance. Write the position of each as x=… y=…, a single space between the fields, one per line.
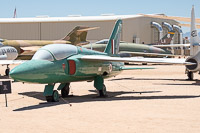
x=146 y=54
x=136 y=59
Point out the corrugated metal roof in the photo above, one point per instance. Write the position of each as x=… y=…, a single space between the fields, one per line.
x=57 y=19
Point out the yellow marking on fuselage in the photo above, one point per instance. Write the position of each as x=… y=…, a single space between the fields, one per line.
x=171 y=33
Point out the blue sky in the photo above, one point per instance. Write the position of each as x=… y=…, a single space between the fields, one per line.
x=62 y=8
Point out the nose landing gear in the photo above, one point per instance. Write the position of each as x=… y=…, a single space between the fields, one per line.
x=7 y=71
x=53 y=95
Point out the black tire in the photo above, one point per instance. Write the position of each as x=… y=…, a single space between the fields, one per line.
x=7 y=71
x=54 y=97
x=102 y=93
x=65 y=91
x=144 y=63
x=190 y=75
x=49 y=98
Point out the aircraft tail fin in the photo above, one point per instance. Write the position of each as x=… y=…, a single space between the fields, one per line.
x=112 y=47
x=194 y=38
x=167 y=38
x=78 y=35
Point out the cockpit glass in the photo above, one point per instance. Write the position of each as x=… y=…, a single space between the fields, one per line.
x=43 y=54
x=55 y=51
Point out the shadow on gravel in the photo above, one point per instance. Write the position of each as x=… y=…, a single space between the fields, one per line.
x=112 y=96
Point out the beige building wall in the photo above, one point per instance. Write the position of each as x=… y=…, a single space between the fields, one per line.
x=138 y=27
x=141 y=28
x=58 y=30
x=23 y=31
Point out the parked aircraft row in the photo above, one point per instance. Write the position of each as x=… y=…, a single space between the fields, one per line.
x=133 y=49
x=66 y=63
x=76 y=36
x=24 y=49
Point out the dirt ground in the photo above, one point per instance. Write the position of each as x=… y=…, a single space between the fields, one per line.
x=139 y=101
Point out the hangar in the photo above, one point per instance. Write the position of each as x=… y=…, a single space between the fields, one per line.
x=136 y=28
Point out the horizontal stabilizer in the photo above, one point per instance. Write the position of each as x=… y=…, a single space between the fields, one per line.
x=78 y=35
x=87 y=29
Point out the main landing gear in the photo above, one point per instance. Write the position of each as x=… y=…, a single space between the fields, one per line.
x=102 y=93
x=53 y=95
x=190 y=75
x=99 y=85
x=65 y=90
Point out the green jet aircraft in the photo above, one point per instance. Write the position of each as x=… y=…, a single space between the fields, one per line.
x=26 y=48
x=133 y=49
x=65 y=63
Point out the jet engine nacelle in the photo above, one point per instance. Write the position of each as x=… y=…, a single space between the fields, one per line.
x=194 y=59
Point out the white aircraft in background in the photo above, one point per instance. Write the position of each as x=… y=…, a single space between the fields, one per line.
x=8 y=54
x=194 y=49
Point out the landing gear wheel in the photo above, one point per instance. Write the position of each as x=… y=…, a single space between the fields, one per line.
x=7 y=71
x=102 y=93
x=54 y=97
x=65 y=90
x=190 y=75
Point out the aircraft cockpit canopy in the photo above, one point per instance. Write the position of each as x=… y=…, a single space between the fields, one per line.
x=55 y=52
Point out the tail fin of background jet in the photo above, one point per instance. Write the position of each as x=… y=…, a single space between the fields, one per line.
x=78 y=35
x=194 y=38
x=167 y=38
x=112 y=47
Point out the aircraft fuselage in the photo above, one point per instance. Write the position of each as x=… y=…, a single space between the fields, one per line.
x=129 y=47
x=69 y=69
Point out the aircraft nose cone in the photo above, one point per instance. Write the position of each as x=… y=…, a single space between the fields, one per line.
x=159 y=50
x=22 y=71
x=18 y=72
x=30 y=71
x=14 y=72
